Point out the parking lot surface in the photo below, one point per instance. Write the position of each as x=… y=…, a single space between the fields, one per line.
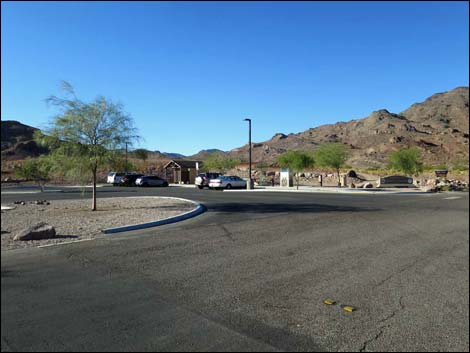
x=251 y=274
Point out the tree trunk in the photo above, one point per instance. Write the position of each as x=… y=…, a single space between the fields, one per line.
x=93 y=208
x=298 y=180
x=339 y=177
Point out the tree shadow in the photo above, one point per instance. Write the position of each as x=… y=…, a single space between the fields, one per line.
x=282 y=208
x=87 y=191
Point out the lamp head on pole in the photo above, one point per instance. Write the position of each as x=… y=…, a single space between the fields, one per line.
x=247 y=119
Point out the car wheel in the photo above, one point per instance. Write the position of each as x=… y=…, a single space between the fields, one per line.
x=165 y=184
x=145 y=184
x=200 y=187
x=228 y=186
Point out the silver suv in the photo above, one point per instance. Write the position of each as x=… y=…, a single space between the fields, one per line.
x=202 y=180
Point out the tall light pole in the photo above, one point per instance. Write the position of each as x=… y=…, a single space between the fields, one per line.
x=126 y=157
x=249 y=160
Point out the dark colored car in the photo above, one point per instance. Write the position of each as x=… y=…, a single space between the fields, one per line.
x=129 y=179
x=202 y=180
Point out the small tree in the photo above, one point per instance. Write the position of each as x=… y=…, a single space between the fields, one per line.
x=84 y=134
x=219 y=162
x=406 y=160
x=332 y=155
x=297 y=161
x=37 y=170
x=141 y=153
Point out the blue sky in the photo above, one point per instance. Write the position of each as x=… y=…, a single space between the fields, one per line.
x=190 y=72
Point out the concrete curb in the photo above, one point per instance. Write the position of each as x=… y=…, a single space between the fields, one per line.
x=336 y=191
x=29 y=192
x=193 y=213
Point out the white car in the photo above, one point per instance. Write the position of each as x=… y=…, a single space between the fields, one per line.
x=227 y=182
x=114 y=178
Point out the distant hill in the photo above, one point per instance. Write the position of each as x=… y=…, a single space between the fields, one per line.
x=439 y=127
x=172 y=155
x=17 y=141
x=201 y=155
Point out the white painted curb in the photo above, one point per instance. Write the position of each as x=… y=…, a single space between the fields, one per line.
x=197 y=211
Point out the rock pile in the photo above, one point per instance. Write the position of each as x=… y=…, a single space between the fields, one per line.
x=436 y=185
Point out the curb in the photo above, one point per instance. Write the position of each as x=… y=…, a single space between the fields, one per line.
x=349 y=192
x=197 y=211
x=29 y=192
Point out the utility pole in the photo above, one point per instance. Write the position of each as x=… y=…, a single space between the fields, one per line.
x=126 y=158
x=249 y=186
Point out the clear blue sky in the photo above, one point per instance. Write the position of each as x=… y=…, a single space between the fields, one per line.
x=190 y=72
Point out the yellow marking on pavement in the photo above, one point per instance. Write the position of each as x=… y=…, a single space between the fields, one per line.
x=329 y=302
x=348 y=308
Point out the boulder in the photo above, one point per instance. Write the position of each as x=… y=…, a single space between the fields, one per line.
x=39 y=231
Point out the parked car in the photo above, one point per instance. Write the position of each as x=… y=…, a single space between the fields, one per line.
x=129 y=179
x=151 y=180
x=227 y=182
x=114 y=178
x=202 y=180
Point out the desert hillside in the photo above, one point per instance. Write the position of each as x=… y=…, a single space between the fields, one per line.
x=438 y=126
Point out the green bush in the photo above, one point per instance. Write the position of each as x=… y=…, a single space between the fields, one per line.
x=406 y=160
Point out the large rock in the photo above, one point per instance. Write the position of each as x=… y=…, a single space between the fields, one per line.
x=39 y=231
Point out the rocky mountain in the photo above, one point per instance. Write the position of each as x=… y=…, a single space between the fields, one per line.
x=173 y=155
x=201 y=155
x=439 y=127
x=17 y=141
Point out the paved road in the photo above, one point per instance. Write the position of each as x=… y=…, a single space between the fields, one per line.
x=250 y=275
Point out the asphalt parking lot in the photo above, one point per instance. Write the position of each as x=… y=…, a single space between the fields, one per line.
x=251 y=274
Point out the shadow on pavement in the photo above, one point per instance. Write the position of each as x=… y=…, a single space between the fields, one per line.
x=278 y=208
x=89 y=191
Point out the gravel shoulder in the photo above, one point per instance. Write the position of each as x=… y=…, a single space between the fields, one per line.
x=73 y=219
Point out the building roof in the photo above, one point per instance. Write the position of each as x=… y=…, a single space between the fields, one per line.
x=182 y=163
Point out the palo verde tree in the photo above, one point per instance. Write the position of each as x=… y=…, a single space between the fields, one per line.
x=406 y=160
x=85 y=135
x=297 y=161
x=37 y=170
x=218 y=162
x=331 y=155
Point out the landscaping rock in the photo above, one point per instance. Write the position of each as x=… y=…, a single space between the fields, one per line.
x=41 y=230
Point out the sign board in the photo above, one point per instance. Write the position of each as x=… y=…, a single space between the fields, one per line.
x=396 y=181
x=441 y=173
x=286 y=178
